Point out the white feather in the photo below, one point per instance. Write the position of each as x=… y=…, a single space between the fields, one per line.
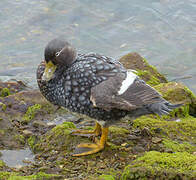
x=127 y=82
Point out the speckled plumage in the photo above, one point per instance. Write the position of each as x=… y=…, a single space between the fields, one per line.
x=71 y=87
x=89 y=84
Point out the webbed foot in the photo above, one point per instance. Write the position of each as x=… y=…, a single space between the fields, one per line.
x=95 y=132
x=91 y=148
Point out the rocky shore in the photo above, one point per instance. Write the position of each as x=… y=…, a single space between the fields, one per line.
x=148 y=147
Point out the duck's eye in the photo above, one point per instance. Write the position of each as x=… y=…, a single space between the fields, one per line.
x=57 y=53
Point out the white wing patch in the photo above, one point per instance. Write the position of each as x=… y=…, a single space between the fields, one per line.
x=127 y=82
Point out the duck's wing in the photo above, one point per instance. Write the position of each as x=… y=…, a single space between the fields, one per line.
x=123 y=91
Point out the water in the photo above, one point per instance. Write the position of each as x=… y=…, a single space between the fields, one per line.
x=163 y=31
x=17 y=158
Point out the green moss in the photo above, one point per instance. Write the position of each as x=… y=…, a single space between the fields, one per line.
x=2 y=132
x=177 y=147
x=58 y=137
x=31 y=142
x=5 y=92
x=63 y=129
x=162 y=166
x=178 y=93
x=106 y=177
x=38 y=176
x=3 y=106
x=31 y=112
x=2 y=164
x=118 y=130
x=20 y=138
x=185 y=128
x=147 y=75
x=5 y=175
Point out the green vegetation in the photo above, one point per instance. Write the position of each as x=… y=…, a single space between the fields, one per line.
x=4 y=92
x=31 y=112
x=106 y=177
x=58 y=136
x=1 y=164
x=185 y=128
x=16 y=176
x=20 y=138
x=179 y=147
x=151 y=79
x=161 y=165
x=3 y=106
x=118 y=131
x=63 y=129
x=31 y=142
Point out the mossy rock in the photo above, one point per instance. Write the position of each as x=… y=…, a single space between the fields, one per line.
x=57 y=138
x=37 y=176
x=178 y=146
x=31 y=112
x=5 y=92
x=178 y=93
x=156 y=165
x=106 y=177
x=147 y=72
x=184 y=129
x=11 y=87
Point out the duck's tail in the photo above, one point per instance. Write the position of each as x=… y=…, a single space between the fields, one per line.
x=160 y=108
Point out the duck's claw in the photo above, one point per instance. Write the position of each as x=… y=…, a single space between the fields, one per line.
x=95 y=132
x=87 y=148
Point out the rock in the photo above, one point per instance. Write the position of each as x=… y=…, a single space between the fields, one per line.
x=11 y=87
x=156 y=140
x=156 y=165
x=147 y=72
x=178 y=93
x=39 y=123
x=27 y=133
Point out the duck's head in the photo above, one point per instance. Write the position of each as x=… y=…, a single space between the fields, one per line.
x=58 y=53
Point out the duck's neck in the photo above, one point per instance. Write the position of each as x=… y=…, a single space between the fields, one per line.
x=53 y=90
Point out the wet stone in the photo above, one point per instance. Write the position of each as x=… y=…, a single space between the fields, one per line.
x=27 y=133
x=39 y=123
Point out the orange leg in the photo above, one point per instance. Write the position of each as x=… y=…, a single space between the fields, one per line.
x=95 y=132
x=91 y=148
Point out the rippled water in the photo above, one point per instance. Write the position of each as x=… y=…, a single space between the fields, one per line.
x=163 y=31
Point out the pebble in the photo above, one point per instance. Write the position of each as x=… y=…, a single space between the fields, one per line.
x=156 y=140
x=27 y=132
x=39 y=124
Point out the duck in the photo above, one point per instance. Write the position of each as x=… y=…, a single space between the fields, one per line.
x=97 y=86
